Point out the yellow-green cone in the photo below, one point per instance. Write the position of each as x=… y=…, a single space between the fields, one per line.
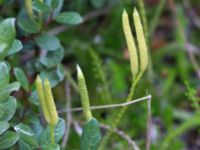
x=141 y=41
x=41 y=95
x=47 y=101
x=50 y=103
x=28 y=6
x=130 y=43
x=84 y=94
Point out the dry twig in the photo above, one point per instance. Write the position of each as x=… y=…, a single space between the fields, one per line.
x=68 y=114
x=108 y=106
x=122 y=135
x=148 y=137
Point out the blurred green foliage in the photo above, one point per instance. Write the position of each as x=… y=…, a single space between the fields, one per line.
x=62 y=34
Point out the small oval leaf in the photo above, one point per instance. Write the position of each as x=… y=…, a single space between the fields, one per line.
x=26 y=135
x=7 y=36
x=91 y=136
x=47 y=42
x=5 y=92
x=4 y=125
x=16 y=47
x=4 y=75
x=71 y=18
x=21 y=77
x=8 y=139
x=8 y=109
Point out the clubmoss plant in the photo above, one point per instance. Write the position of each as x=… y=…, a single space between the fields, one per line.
x=84 y=94
x=141 y=41
x=130 y=43
x=137 y=74
x=91 y=135
x=47 y=104
x=50 y=103
x=41 y=95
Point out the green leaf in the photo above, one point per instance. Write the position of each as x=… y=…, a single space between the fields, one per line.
x=21 y=77
x=54 y=3
x=71 y=18
x=5 y=92
x=8 y=139
x=51 y=147
x=40 y=6
x=54 y=76
x=7 y=36
x=4 y=125
x=53 y=58
x=26 y=135
x=60 y=127
x=26 y=24
x=47 y=42
x=34 y=99
x=16 y=47
x=56 y=6
x=1 y=2
x=4 y=75
x=181 y=25
x=97 y=3
x=91 y=136
x=23 y=145
x=8 y=109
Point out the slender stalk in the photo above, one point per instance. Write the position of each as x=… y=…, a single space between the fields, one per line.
x=71 y=80
x=148 y=136
x=29 y=9
x=120 y=114
x=52 y=134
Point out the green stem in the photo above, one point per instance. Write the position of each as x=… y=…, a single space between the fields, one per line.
x=52 y=134
x=146 y=32
x=120 y=114
x=29 y=10
x=188 y=124
x=71 y=80
x=156 y=17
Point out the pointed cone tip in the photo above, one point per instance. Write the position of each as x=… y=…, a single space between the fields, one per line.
x=124 y=13
x=79 y=71
x=46 y=81
x=135 y=12
x=38 y=78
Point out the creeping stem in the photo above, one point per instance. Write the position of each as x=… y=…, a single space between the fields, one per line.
x=120 y=114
